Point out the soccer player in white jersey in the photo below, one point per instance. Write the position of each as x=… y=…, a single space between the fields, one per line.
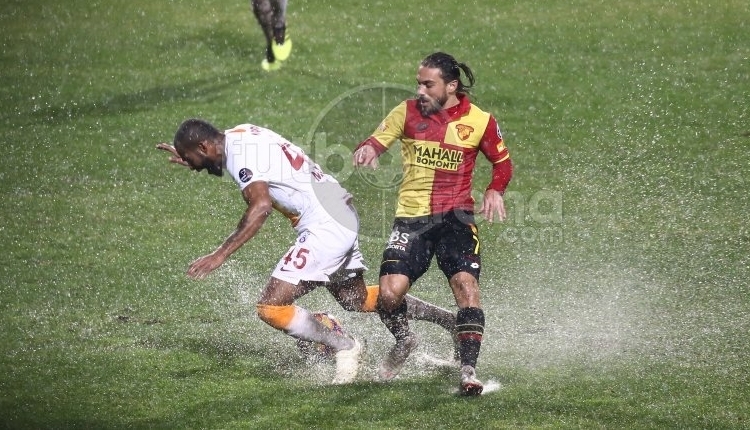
x=272 y=173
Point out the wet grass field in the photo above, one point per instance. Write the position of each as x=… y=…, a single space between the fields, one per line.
x=616 y=293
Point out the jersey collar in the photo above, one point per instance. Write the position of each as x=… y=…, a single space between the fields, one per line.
x=454 y=112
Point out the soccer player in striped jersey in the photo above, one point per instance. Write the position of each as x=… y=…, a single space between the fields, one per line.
x=441 y=134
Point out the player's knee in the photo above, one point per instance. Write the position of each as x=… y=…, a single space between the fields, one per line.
x=389 y=299
x=277 y=317
x=464 y=279
x=393 y=289
x=465 y=289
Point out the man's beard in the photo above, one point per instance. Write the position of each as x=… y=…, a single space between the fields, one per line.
x=212 y=168
x=429 y=106
x=215 y=170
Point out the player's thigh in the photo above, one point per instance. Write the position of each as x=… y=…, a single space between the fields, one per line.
x=278 y=292
x=408 y=252
x=458 y=249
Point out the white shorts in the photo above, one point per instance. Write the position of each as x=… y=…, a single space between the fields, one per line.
x=325 y=252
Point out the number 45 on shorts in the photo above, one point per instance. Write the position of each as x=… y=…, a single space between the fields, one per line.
x=297 y=258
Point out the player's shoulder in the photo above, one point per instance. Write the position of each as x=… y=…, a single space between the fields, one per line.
x=254 y=134
x=479 y=116
x=476 y=110
x=239 y=128
x=248 y=128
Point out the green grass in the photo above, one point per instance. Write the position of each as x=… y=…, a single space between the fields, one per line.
x=616 y=293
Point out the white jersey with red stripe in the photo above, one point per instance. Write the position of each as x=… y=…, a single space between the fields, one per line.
x=318 y=206
x=298 y=187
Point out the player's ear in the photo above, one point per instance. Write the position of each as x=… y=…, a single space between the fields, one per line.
x=203 y=146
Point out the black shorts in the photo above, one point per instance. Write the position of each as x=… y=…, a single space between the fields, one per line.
x=451 y=237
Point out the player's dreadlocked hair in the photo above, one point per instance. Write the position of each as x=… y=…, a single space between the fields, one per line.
x=192 y=132
x=450 y=70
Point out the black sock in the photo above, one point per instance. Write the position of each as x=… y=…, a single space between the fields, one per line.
x=470 y=328
x=396 y=321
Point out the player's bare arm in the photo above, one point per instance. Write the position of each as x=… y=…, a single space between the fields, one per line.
x=259 y=206
x=175 y=158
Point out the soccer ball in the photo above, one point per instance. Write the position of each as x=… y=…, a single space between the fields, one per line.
x=318 y=351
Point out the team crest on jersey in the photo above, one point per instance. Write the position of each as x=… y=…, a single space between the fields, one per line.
x=245 y=175
x=422 y=126
x=464 y=131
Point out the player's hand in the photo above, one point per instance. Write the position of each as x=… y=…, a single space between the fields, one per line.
x=492 y=204
x=175 y=158
x=201 y=267
x=365 y=156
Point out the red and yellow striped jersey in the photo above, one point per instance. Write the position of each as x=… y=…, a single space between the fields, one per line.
x=439 y=154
